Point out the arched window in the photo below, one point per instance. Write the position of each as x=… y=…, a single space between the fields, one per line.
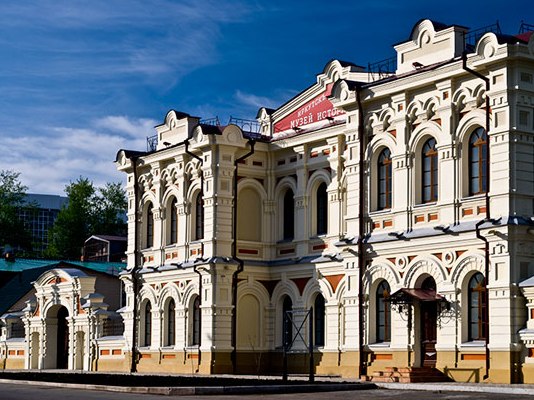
x=199 y=217
x=171 y=323
x=478 y=162
x=149 y=227
x=383 y=313
x=318 y=320
x=287 y=325
x=429 y=172
x=384 y=180
x=477 y=307
x=174 y=221
x=322 y=209
x=289 y=215
x=148 y=324
x=195 y=337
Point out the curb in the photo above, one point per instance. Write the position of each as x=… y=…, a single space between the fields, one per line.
x=481 y=388
x=204 y=390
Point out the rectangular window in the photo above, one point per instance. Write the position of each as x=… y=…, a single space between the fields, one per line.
x=526 y=77
x=524 y=118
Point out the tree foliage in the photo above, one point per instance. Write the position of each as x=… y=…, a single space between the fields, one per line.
x=12 y=194
x=89 y=211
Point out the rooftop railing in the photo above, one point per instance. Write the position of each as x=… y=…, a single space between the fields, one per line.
x=382 y=69
x=248 y=125
x=211 y=121
x=151 y=143
x=524 y=28
x=472 y=36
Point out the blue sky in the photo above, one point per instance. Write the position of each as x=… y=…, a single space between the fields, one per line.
x=79 y=80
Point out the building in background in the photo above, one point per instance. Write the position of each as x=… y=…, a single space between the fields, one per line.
x=105 y=248
x=40 y=216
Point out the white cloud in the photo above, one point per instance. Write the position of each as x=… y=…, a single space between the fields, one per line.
x=133 y=127
x=252 y=100
x=48 y=162
x=160 y=39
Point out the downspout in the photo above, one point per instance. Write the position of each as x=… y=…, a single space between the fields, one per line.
x=488 y=215
x=200 y=312
x=240 y=263
x=361 y=234
x=186 y=143
x=135 y=281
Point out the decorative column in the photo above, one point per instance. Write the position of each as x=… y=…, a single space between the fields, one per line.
x=302 y=225
x=335 y=190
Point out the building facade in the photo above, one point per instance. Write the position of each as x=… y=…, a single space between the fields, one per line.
x=52 y=313
x=390 y=206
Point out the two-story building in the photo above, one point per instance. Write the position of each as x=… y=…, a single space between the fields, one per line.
x=382 y=217
x=395 y=203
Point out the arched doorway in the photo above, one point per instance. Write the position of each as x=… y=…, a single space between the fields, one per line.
x=428 y=318
x=57 y=338
x=62 y=356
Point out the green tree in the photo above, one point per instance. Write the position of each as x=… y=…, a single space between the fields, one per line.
x=110 y=210
x=89 y=211
x=73 y=222
x=12 y=194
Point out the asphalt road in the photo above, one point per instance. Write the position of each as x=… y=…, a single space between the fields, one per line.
x=24 y=392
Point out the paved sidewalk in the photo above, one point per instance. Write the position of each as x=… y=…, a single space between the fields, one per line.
x=299 y=385
x=206 y=390
x=463 y=387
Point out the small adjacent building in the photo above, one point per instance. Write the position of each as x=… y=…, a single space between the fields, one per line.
x=105 y=248
x=53 y=313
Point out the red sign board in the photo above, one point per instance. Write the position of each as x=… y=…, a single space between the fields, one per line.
x=317 y=109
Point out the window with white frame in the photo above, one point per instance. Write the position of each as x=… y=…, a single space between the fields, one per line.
x=429 y=172
x=478 y=161
x=384 y=175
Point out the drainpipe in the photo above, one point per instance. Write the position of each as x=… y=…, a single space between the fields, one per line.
x=200 y=312
x=488 y=215
x=135 y=280
x=186 y=143
x=240 y=263
x=361 y=234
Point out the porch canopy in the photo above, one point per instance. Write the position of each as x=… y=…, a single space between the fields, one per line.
x=408 y=296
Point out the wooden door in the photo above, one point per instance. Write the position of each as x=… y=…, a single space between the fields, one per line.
x=429 y=314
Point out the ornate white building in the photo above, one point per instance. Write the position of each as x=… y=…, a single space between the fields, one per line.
x=395 y=202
